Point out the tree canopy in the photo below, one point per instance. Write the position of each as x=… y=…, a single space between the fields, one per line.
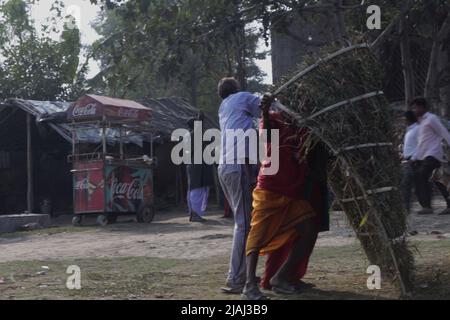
x=32 y=64
x=154 y=48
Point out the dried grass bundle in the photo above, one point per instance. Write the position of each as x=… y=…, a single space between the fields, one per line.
x=339 y=99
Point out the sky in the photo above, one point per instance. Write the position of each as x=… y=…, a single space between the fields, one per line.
x=85 y=13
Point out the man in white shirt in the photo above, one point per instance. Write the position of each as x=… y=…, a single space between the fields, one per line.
x=429 y=154
x=409 y=151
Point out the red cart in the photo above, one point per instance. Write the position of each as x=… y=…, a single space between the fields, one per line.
x=107 y=181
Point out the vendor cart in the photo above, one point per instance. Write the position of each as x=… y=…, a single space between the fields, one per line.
x=108 y=182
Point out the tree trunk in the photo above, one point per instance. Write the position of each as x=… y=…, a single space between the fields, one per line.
x=240 y=57
x=240 y=47
x=432 y=84
x=407 y=67
x=444 y=81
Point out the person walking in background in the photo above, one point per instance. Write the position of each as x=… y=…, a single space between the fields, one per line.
x=200 y=178
x=237 y=112
x=409 y=151
x=429 y=154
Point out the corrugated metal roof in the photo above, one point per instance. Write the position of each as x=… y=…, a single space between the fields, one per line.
x=116 y=102
x=45 y=108
x=169 y=114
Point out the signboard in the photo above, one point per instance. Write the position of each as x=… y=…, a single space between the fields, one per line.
x=127 y=188
x=89 y=187
x=94 y=108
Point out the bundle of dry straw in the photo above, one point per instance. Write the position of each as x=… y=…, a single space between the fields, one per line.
x=339 y=99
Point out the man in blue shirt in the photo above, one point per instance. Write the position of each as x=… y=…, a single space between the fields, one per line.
x=238 y=169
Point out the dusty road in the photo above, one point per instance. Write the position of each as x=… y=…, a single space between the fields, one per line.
x=174 y=259
x=170 y=236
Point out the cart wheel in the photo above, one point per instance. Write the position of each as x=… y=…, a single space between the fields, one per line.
x=102 y=220
x=112 y=218
x=77 y=220
x=146 y=214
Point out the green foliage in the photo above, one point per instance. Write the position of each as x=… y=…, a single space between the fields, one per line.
x=183 y=48
x=37 y=67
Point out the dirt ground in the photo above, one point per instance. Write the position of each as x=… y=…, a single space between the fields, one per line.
x=174 y=259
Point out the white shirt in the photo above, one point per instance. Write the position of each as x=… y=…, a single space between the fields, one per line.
x=411 y=141
x=431 y=134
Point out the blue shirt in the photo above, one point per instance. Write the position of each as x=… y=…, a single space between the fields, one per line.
x=238 y=111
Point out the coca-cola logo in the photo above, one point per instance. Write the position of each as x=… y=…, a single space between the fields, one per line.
x=82 y=184
x=128 y=113
x=127 y=190
x=86 y=184
x=88 y=110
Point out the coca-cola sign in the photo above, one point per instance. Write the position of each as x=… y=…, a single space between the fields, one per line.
x=82 y=184
x=85 y=184
x=86 y=111
x=127 y=190
x=128 y=113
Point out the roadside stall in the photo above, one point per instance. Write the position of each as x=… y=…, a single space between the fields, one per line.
x=107 y=180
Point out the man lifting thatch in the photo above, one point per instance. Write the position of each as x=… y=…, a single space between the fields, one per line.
x=238 y=111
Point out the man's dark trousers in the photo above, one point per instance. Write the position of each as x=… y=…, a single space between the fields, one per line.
x=425 y=170
x=408 y=183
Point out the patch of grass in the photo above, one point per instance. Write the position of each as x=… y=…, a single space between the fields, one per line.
x=47 y=232
x=339 y=273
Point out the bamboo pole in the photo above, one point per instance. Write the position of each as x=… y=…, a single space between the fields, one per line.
x=302 y=122
x=381 y=228
x=30 y=189
x=317 y=64
x=404 y=283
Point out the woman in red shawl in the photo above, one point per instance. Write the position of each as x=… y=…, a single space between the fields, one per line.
x=290 y=209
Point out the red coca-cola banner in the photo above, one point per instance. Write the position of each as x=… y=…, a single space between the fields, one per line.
x=128 y=188
x=100 y=187
x=92 y=107
x=89 y=187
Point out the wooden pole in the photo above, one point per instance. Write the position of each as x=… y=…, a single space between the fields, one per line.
x=30 y=191
x=104 y=141
x=121 y=145
x=408 y=72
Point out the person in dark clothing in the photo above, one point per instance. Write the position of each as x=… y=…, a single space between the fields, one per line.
x=200 y=179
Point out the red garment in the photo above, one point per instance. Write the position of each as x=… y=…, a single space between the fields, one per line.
x=290 y=181
x=291 y=176
x=227 y=209
x=276 y=259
